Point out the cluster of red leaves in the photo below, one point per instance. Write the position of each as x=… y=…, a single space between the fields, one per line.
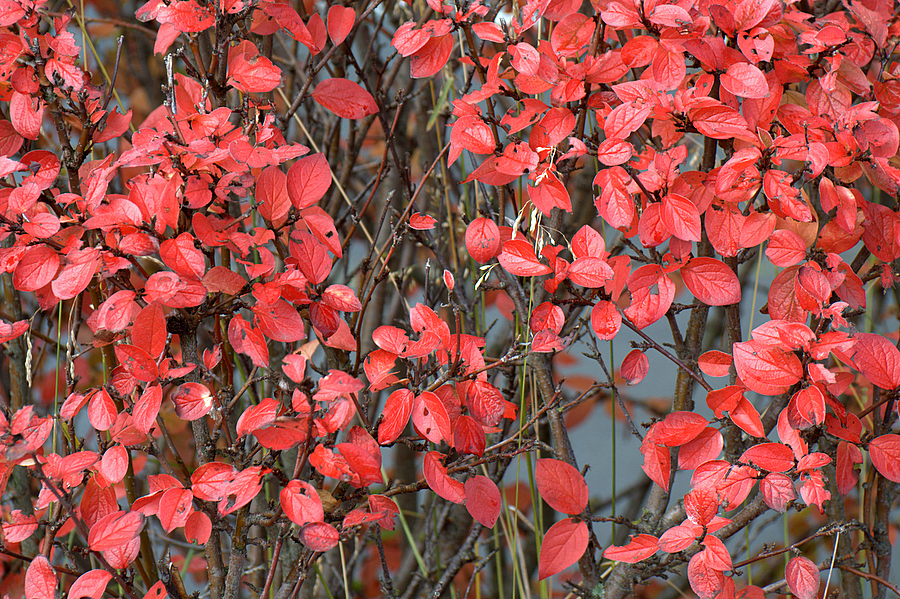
x=795 y=168
x=849 y=122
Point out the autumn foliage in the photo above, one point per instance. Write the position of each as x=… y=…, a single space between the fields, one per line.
x=288 y=288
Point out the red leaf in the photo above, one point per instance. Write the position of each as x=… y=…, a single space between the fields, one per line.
x=192 y=401
x=115 y=313
x=634 y=367
x=885 y=453
x=90 y=584
x=174 y=508
x=37 y=267
x=241 y=491
x=397 y=410
x=711 y=281
x=590 y=271
x=517 y=158
x=717 y=556
x=640 y=547
x=766 y=369
x=322 y=226
x=774 y=457
x=806 y=408
x=137 y=363
x=786 y=248
x=261 y=415
x=657 y=463
x=183 y=257
x=210 y=481
x=319 y=536
x=115 y=530
x=149 y=330
x=114 y=463
x=40 y=579
x=519 y=259
x=625 y=119
x=747 y=418
x=705 y=580
x=483 y=500
x=718 y=121
x=681 y=217
x=563 y=544
x=430 y=417
x=437 y=478
x=605 y=320
x=340 y=23
x=588 y=242
x=704 y=447
x=878 y=359
x=345 y=98
x=431 y=58
x=677 y=428
x=146 y=408
x=715 y=363
x=421 y=222
x=648 y=307
x=272 y=195
x=279 y=321
x=102 y=411
x=80 y=266
x=250 y=72
x=483 y=240
x=247 y=340
x=307 y=180
x=678 y=538
x=485 y=402
x=19 y=527
x=561 y=486
x=10 y=331
x=745 y=80
x=198 y=528
x=777 y=490
x=301 y=503
x=26 y=113
x=802 y=577
x=524 y=58
x=550 y=193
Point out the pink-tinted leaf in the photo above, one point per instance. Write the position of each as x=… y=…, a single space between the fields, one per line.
x=40 y=579
x=90 y=584
x=802 y=577
x=115 y=530
x=711 y=281
x=19 y=527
